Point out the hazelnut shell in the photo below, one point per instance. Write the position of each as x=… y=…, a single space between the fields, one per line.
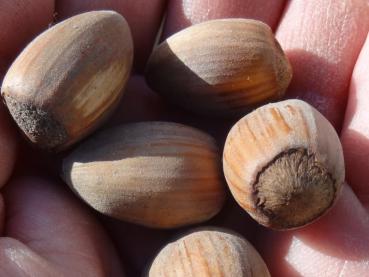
x=220 y=67
x=157 y=174
x=69 y=78
x=284 y=164
x=209 y=253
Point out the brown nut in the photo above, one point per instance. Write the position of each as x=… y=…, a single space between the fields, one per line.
x=69 y=78
x=284 y=164
x=220 y=67
x=209 y=253
x=156 y=174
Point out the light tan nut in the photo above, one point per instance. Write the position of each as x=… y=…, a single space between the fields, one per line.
x=284 y=164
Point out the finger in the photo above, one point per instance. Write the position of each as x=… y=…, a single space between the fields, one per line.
x=52 y=223
x=8 y=146
x=17 y=259
x=20 y=21
x=355 y=131
x=336 y=245
x=184 y=13
x=322 y=40
x=144 y=18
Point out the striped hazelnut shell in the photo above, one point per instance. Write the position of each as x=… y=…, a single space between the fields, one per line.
x=220 y=67
x=209 y=252
x=69 y=78
x=284 y=164
x=156 y=174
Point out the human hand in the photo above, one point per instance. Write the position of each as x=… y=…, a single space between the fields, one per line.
x=324 y=41
x=44 y=229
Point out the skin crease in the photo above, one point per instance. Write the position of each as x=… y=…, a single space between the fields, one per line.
x=322 y=40
x=336 y=245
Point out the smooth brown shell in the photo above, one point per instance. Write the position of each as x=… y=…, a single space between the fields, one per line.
x=209 y=253
x=220 y=67
x=156 y=174
x=284 y=164
x=69 y=78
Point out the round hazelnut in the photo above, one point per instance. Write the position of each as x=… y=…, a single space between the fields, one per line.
x=209 y=253
x=284 y=164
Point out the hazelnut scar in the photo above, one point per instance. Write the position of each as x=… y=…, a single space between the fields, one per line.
x=284 y=164
x=294 y=188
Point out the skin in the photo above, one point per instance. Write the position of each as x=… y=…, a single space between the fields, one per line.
x=8 y=146
x=48 y=231
x=327 y=44
x=144 y=18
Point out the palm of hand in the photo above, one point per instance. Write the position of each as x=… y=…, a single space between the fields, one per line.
x=47 y=232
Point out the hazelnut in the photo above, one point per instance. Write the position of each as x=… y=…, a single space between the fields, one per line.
x=69 y=78
x=284 y=164
x=220 y=67
x=156 y=174
x=211 y=253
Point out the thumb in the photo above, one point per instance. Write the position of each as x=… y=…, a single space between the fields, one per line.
x=52 y=232
x=335 y=245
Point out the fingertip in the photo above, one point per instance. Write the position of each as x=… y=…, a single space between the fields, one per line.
x=16 y=258
x=355 y=132
x=51 y=221
x=322 y=40
x=322 y=248
x=184 y=13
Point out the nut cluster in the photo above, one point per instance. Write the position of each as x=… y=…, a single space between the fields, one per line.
x=283 y=161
